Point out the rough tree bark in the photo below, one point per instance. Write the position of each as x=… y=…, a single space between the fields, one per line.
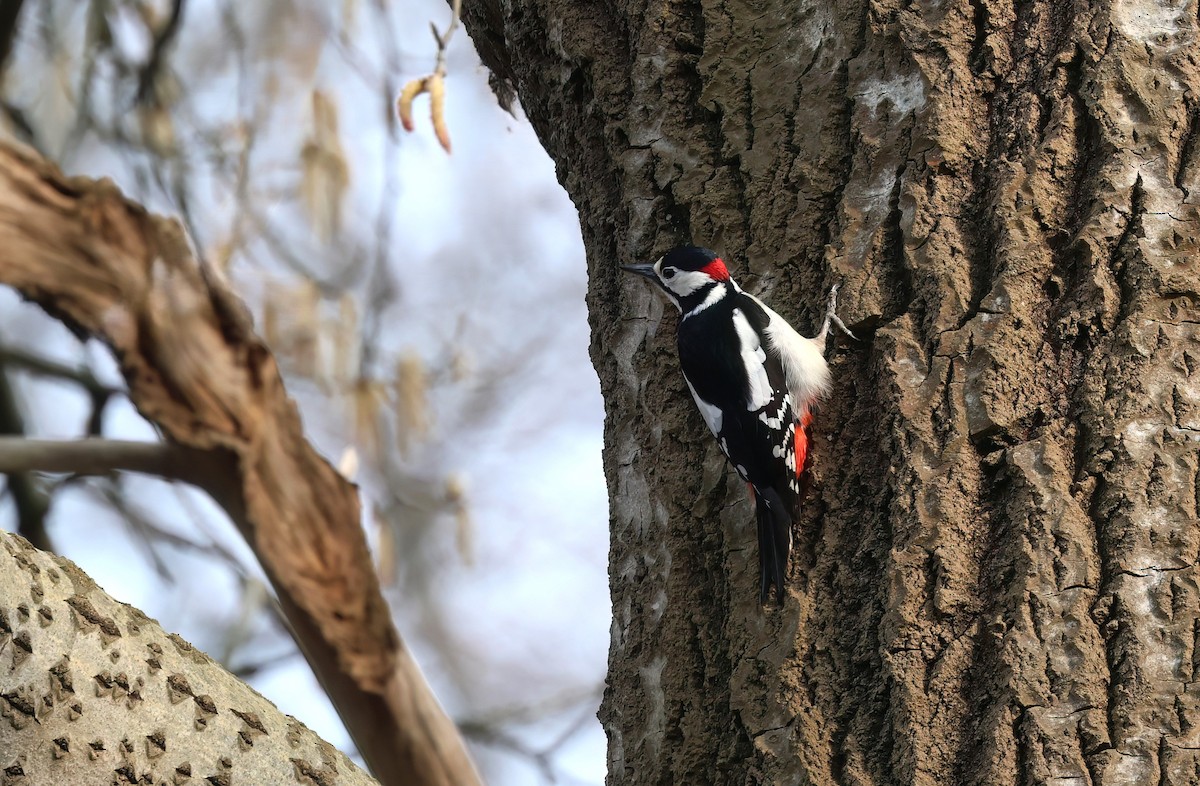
x=92 y=691
x=996 y=580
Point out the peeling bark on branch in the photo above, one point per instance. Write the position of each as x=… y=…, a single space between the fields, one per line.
x=998 y=578
x=93 y=691
x=195 y=368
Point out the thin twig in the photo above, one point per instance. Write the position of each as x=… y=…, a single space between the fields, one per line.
x=99 y=393
x=145 y=533
x=158 y=50
x=443 y=39
x=244 y=671
x=110 y=492
x=36 y=364
x=434 y=84
x=30 y=499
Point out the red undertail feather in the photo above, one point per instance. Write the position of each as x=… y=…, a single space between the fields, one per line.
x=802 y=442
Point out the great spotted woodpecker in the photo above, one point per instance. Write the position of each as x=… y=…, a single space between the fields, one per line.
x=755 y=380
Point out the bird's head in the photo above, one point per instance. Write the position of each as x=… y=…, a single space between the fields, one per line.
x=683 y=272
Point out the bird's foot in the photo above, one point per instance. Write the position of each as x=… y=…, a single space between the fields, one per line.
x=831 y=316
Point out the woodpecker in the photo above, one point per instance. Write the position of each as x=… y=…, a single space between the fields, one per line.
x=755 y=381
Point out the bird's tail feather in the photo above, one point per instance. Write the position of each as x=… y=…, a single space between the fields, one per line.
x=774 y=541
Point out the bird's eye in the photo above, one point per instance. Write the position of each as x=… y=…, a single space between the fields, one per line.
x=669 y=272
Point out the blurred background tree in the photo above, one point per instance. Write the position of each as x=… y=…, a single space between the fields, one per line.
x=427 y=312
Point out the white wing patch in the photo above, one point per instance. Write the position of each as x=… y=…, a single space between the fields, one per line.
x=711 y=414
x=754 y=360
x=804 y=366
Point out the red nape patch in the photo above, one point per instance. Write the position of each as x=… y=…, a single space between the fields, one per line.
x=716 y=270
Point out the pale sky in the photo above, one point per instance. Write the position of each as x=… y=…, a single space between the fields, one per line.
x=487 y=250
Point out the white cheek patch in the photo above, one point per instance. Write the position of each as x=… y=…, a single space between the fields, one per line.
x=685 y=282
x=754 y=360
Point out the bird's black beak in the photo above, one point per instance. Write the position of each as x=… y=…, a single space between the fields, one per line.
x=642 y=270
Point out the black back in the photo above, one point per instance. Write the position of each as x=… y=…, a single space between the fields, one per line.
x=710 y=355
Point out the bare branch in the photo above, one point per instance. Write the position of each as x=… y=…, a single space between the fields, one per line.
x=196 y=368
x=99 y=393
x=31 y=501
x=36 y=364
x=158 y=50
x=204 y=468
x=443 y=39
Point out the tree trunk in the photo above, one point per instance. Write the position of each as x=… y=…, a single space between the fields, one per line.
x=996 y=575
x=92 y=691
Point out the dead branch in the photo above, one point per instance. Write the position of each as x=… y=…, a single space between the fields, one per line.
x=196 y=369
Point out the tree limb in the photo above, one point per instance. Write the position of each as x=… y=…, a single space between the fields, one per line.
x=93 y=691
x=196 y=369
x=102 y=456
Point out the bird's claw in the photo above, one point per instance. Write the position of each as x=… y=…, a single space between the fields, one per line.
x=831 y=316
